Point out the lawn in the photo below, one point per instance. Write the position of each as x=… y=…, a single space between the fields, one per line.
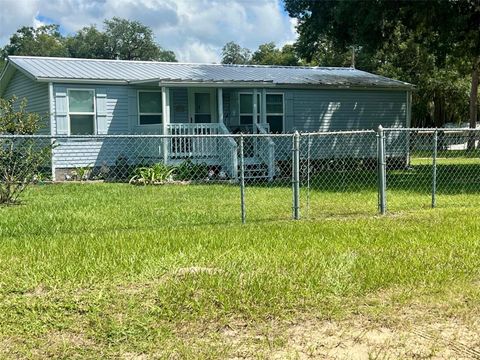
x=118 y=271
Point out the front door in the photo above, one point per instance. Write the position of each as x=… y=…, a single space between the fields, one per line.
x=201 y=105
x=248 y=117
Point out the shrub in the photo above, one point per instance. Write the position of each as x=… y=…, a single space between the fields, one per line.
x=188 y=170
x=21 y=158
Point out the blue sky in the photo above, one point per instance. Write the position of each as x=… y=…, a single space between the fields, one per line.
x=195 y=29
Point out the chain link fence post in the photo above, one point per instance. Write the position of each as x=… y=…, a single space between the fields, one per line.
x=308 y=175
x=382 y=172
x=434 y=168
x=296 y=175
x=242 y=181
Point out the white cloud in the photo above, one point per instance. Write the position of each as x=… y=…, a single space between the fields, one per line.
x=195 y=29
x=14 y=14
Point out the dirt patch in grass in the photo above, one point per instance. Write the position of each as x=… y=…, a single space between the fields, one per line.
x=361 y=339
x=405 y=335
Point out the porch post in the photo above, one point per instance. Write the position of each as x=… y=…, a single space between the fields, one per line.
x=263 y=112
x=255 y=106
x=166 y=120
x=220 y=105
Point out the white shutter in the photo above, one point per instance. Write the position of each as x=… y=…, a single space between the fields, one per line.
x=101 y=108
x=61 y=111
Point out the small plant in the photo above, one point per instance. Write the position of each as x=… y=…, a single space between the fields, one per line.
x=188 y=170
x=82 y=173
x=151 y=175
x=40 y=178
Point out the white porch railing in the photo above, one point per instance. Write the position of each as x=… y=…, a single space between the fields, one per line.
x=265 y=148
x=202 y=148
x=192 y=147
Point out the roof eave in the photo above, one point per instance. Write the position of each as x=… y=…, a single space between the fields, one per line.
x=83 y=81
x=260 y=84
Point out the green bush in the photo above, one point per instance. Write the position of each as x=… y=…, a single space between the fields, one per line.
x=188 y=170
x=21 y=158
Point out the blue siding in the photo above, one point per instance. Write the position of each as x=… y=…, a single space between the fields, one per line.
x=112 y=105
x=305 y=110
x=332 y=110
x=36 y=94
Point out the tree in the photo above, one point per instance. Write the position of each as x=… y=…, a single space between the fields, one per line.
x=45 y=40
x=269 y=54
x=232 y=53
x=128 y=40
x=131 y=40
x=21 y=158
x=88 y=43
x=448 y=30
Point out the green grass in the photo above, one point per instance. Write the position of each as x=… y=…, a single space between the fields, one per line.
x=113 y=270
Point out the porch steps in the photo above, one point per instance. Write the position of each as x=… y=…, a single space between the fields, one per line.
x=255 y=170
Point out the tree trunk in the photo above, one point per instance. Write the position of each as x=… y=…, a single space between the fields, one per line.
x=438 y=110
x=473 y=102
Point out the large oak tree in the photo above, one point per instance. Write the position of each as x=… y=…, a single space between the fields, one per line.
x=450 y=30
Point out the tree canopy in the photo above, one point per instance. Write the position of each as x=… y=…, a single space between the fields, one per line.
x=434 y=44
x=232 y=53
x=121 y=38
x=269 y=54
x=131 y=40
x=45 y=40
x=266 y=54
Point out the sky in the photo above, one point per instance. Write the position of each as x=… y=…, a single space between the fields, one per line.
x=195 y=30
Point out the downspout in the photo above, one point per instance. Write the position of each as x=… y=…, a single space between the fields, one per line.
x=52 y=125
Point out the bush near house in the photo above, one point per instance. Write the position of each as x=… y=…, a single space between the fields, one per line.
x=21 y=159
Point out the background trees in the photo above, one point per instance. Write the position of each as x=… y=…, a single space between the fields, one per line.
x=433 y=44
x=232 y=53
x=42 y=41
x=121 y=38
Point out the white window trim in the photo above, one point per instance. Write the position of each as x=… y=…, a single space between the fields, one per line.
x=139 y=113
x=94 y=113
x=282 y=114
x=256 y=119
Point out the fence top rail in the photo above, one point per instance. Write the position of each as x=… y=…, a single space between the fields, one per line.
x=170 y=136
x=138 y=136
x=340 y=132
x=432 y=130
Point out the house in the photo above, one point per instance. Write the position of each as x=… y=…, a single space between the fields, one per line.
x=115 y=97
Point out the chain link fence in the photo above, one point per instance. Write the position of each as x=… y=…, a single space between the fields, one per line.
x=442 y=168
x=269 y=176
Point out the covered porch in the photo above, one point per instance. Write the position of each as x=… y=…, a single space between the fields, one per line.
x=188 y=113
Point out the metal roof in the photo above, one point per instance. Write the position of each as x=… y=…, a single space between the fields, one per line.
x=95 y=70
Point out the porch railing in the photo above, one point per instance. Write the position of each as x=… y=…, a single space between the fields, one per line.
x=265 y=149
x=222 y=148
x=196 y=147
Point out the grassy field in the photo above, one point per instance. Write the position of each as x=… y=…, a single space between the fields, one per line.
x=118 y=271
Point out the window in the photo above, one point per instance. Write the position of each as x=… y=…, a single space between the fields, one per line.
x=149 y=107
x=274 y=105
x=246 y=108
x=81 y=112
